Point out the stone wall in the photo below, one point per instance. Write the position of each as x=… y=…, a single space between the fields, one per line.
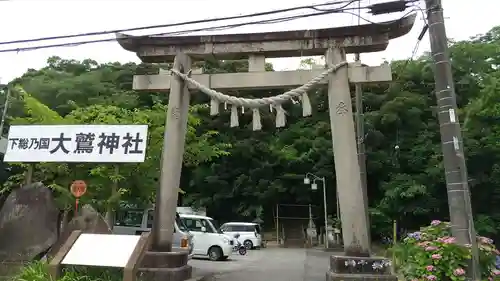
x=9 y=269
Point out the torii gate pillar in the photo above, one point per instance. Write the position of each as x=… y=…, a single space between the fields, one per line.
x=352 y=212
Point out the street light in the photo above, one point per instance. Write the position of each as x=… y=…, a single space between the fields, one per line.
x=314 y=186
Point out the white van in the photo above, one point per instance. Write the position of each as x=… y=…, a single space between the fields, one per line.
x=249 y=233
x=208 y=239
x=137 y=221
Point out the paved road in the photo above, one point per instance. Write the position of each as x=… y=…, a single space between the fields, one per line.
x=274 y=264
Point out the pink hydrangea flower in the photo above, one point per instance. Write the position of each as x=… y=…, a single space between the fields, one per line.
x=441 y=239
x=495 y=272
x=435 y=222
x=431 y=277
x=449 y=240
x=436 y=256
x=446 y=239
x=423 y=244
x=458 y=272
x=485 y=240
x=429 y=268
x=431 y=248
x=490 y=279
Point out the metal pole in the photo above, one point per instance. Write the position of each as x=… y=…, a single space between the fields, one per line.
x=338 y=206
x=325 y=212
x=462 y=223
x=310 y=224
x=4 y=112
x=28 y=176
x=277 y=224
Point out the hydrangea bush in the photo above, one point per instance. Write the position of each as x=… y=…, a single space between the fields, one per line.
x=431 y=254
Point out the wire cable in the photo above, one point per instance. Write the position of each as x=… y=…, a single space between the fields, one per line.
x=369 y=21
x=222 y=27
x=97 y=33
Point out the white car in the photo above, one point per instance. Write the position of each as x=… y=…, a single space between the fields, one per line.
x=137 y=221
x=249 y=233
x=208 y=240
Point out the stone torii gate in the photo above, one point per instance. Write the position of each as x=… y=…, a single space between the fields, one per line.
x=182 y=80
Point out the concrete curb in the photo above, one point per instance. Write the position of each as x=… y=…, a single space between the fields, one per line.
x=205 y=277
x=334 y=249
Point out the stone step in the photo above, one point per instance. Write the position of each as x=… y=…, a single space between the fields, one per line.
x=167 y=274
x=360 y=265
x=356 y=277
x=154 y=259
x=295 y=243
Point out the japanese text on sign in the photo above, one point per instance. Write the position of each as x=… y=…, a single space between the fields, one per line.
x=77 y=143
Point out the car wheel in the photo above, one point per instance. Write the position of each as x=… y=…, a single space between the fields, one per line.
x=248 y=244
x=242 y=251
x=214 y=253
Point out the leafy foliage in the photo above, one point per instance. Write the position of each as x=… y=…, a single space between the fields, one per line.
x=432 y=254
x=39 y=271
x=238 y=174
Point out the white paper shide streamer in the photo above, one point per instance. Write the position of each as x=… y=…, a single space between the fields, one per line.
x=256 y=104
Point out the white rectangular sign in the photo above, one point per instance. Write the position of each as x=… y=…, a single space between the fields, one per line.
x=77 y=143
x=107 y=250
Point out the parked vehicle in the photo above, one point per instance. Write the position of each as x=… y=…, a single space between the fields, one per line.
x=249 y=233
x=137 y=221
x=238 y=247
x=263 y=244
x=208 y=239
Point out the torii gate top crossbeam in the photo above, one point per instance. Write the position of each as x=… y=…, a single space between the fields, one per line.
x=353 y=39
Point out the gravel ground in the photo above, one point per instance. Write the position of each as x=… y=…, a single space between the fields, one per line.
x=276 y=264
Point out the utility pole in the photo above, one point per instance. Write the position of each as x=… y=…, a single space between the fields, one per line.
x=462 y=222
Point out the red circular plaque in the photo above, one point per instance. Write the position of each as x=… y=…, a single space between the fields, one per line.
x=78 y=188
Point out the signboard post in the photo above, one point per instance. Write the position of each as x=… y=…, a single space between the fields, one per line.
x=85 y=144
x=101 y=250
x=78 y=188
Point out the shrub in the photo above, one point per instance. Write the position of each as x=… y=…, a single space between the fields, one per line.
x=431 y=254
x=38 y=271
x=35 y=271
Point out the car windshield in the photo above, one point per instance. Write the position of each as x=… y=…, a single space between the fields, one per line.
x=215 y=225
x=257 y=228
x=180 y=223
x=130 y=218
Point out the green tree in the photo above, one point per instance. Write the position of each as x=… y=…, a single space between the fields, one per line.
x=109 y=184
x=240 y=174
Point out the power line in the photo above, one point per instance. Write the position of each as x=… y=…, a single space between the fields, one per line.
x=97 y=33
x=358 y=14
x=424 y=30
x=222 y=27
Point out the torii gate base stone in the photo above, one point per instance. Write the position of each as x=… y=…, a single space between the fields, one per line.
x=334 y=43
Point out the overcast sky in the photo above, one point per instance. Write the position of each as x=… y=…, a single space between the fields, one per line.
x=25 y=19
